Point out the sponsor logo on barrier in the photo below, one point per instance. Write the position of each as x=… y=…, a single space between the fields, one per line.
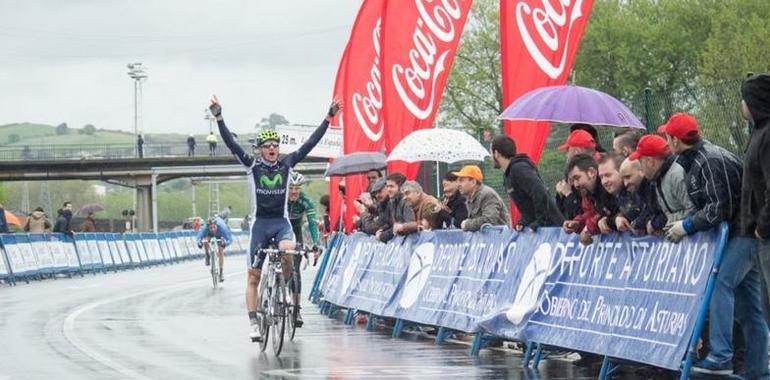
x=417 y=276
x=350 y=269
x=531 y=285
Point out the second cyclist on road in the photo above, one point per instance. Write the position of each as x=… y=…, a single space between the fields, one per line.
x=215 y=228
x=300 y=206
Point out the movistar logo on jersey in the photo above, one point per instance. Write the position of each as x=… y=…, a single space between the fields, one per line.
x=271 y=183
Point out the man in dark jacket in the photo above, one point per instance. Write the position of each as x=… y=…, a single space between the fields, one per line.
x=453 y=210
x=401 y=213
x=525 y=187
x=140 y=145
x=3 y=222
x=713 y=179
x=63 y=220
x=639 y=207
x=374 y=216
x=712 y=174
x=191 y=146
x=755 y=194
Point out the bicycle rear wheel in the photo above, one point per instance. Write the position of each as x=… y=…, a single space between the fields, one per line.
x=279 y=316
x=264 y=322
x=293 y=309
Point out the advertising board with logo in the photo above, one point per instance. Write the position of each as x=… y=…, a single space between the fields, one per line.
x=634 y=298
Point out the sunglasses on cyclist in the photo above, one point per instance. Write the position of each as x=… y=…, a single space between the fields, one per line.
x=269 y=145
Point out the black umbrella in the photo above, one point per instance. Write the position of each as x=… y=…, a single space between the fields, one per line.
x=355 y=163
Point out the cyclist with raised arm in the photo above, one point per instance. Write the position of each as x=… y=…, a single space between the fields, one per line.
x=215 y=228
x=300 y=206
x=268 y=178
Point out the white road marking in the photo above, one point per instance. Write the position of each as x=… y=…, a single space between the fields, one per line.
x=69 y=326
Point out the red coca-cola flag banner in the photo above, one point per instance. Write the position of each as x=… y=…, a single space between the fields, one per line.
x=363 y=124
x=419 y=44
x=539 y=40
x=335 y=198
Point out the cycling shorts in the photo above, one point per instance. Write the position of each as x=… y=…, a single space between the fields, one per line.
x=263 y=230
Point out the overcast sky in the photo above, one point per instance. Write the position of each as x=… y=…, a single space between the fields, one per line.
x=65 y=61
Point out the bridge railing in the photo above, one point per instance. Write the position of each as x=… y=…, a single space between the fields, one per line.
x=106 y=151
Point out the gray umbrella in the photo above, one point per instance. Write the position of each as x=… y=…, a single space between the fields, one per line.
x=91 y=207
x=356 y=163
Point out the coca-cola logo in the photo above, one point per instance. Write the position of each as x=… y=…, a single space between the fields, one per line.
x=548 y=22
x=366 y=108
x=418 y=81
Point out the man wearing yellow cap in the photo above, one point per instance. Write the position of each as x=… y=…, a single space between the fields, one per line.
x=484 y=205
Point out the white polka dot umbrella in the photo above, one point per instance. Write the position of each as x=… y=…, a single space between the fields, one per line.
x=437 y=144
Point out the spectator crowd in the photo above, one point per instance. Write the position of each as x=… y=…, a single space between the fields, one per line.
x=670 y=184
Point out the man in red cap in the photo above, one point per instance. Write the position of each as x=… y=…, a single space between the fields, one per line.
x=713 y=177
x=712 y=174
x=666 y=177
x=579 y=142
x=484 y=205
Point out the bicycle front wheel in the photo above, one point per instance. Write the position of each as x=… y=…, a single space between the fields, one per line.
x=213 y=261
x=279 y=316
x=266 y=311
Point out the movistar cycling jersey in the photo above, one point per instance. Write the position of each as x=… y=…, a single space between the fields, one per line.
x=303 y=206
x=269 y=182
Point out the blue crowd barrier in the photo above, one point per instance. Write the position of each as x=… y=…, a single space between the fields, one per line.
x=25 y=257
x=628 y=298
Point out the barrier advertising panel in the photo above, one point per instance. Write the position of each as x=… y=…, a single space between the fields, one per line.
x=627 y=297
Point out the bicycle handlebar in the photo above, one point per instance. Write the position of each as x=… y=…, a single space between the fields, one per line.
x=295 y=252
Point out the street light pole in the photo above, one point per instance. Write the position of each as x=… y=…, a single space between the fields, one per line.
x=137 y=72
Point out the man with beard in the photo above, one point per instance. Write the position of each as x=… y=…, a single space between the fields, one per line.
x=638 y=207
x=583 y=172
x=525 y=186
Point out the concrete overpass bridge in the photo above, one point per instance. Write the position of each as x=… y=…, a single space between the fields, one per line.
x=142 y=174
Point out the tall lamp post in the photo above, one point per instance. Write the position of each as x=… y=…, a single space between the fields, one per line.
x=137 y=72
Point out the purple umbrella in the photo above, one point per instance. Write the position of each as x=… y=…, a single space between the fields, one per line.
x=571 y=104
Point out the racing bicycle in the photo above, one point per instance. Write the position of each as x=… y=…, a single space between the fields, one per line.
x=214 y=244
x=276 y=300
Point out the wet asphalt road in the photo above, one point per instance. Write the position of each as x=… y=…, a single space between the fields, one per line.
x=168 y=323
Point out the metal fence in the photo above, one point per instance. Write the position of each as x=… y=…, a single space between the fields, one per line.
x=106 y=151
